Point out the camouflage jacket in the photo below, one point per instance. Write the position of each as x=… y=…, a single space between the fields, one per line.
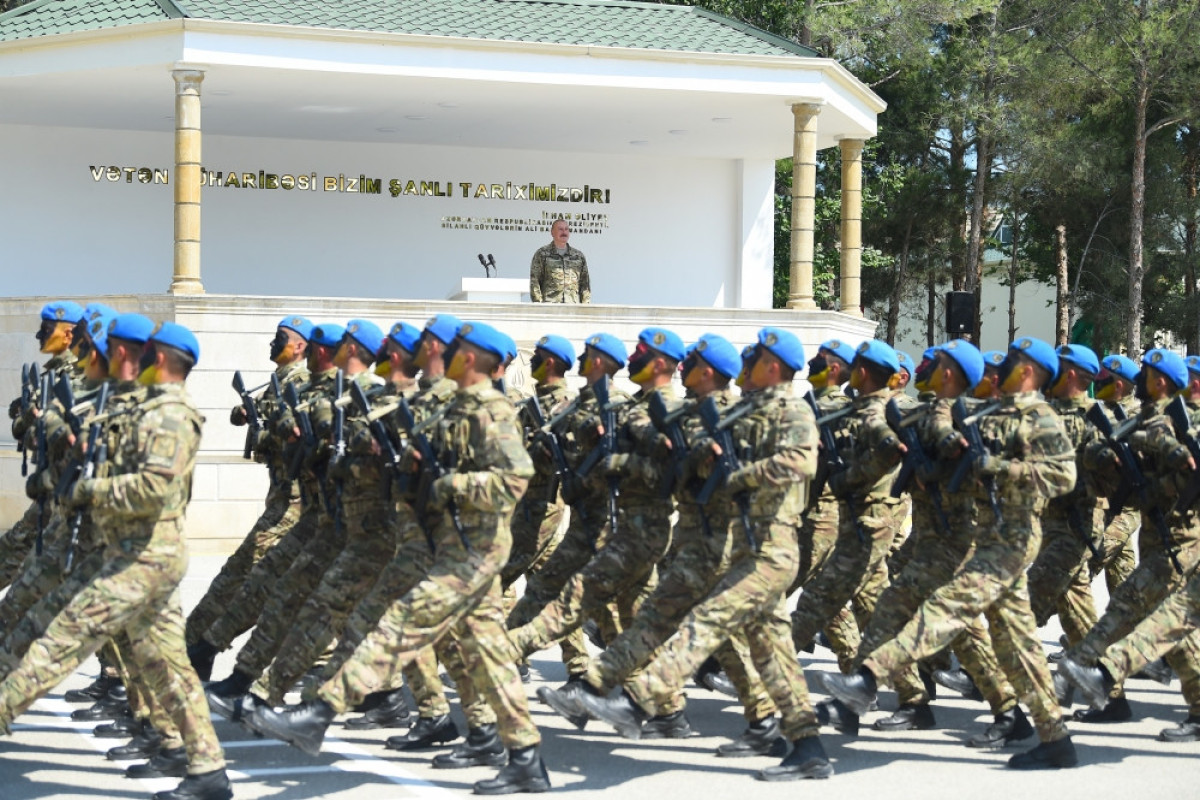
x=579 y=436
x=24 y=423
x=1078 y=504
x=870 y=449
x=643 y=455
x=548 y=397
x=1034 y=457
x=555 y=278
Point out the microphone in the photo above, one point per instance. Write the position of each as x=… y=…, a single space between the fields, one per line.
x=485 y=266
x=492 y=261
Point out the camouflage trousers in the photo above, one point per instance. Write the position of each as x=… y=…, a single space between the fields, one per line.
x=747 y=600
x=1154 y=579
x=370 y=546
x=700 y=559
x=17 y=543
x=1172 y=628
x=851 y=567
x=817 y=536
x=408 y=568
x=280 y=516
x=136 y=592
x=1117 y=555
x=991 y=583
x=534 y=525
x=240 y=614
x=289 y=595
x=460 y=595
x=933 y=559
x=622 y=571
x=587 y=532
x=39 y=574
x=1060 y=580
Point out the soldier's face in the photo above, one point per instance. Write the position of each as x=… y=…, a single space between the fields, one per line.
x=560 y=233
x=54 y=337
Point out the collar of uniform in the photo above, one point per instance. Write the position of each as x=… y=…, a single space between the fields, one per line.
x=829 y=390
x=1020 y=399
x=174 y=387
x=770 y=393
x=926 y=397
x=367 y=379
x=550 y=389
x=326 y=374
x=1152 y=408
x=870 y=397
x=61 y=361
x=1192 y=404
x=286 y=371
x=1078 y=401
x=479 y=389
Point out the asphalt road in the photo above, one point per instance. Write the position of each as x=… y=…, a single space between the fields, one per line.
x=51 y=757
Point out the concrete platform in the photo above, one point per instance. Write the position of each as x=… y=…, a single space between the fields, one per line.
x=49 y=757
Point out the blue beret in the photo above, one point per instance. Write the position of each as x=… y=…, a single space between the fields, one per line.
x=444 y=327
x=747 y=351
x=485 y=337
x=1082 y=357
x=328 y=334
x=557 y=346
x=993 y=358
x=62 y=311
x=405 y=335
x=906 y=362
x=1121 y=366
x=1193 y=364
x=664 y=341
x=840 y=349
x=967 y=356
x=1169 y=363
x=878 y=353
x=1037 y=351
x=510 y=347
x=94 y=311
x=719 y=353
x=929 y=352
x=131 y=327
x=97 y=329
x=172 y=334
x=366 y=333
x=610 y=345
x=300 y=325
x=783 y=345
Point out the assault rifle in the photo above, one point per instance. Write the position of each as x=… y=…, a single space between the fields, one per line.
x=431 y=470
x=606 y=447
x=29 y=379
x=94 y=455
x=667 y=423
x=831 y=461
x=548 y=434
x=378 y=430
x=291 y=396
x=1181 y=422
x=42 y=460
x=339 y=419
x=727 y=462
x=915 y=458
x=968 y=425
x=298 y=451
x=253 y=421
x=1133 y=480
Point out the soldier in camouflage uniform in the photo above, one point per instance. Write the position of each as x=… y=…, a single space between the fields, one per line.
x=776 y=439
x=1115 y=388
x=868 y=515
x=55 y=337
x=140 y=508
x=1170 y=542
x=587 y=529
x=481 y=436
x=622 y=571
x=288 y=351
x=558 y=272
x=1029 y=459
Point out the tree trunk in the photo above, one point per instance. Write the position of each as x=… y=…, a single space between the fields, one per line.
x=931 y=312
x=1137 y=206
x=1191 y=183
x=974 y=266
x=893 y=315
x=957 y=156
x=1013 y=274
x=1062 y=286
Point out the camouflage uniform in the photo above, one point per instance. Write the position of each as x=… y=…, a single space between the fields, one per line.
x=479 y=434
x=622 y=571
x=870 y=450
x=140 y=509
x=280 y=515
x=1035 y=455
x=778 y=441
x=555 y=278
x=1117 y=557
x=1163 y=460
x=1060 y=580
x=370 y=546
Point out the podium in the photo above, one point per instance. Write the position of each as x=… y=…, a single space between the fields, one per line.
x=491 y=290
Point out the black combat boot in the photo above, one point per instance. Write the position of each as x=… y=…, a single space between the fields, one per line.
x=237 y=683
x=209 y=786
x=1059 y=754
x=144 y=745
x=163 y=764
x=957 y=680
x=1094 y=682
x=838 y=716
x=1158 y=671
x=390 y=712
x=857 y=691
x=620 y=711
x=759 y=739
x=122 y=728
x=96 y=690
x=238 y=708
x=1115 y=710
x=1008 y=727
x=482 y=748
x=807 y=760
x=565 y=702
x=719 y=682
x=1186 y=731
x=525 y=772
x=428 y=732
x=908 y=717
x=301 y=726
x=113 y=705
x=202 y=655
x=667 y=726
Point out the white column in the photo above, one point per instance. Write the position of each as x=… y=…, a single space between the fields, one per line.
x=186 y=279
x=804 y=204
x=852 y=226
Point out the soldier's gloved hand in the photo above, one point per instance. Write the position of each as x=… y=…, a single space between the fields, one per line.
x=33 y=485
x=237 y=415
x=839 y=484
x=617 y=464
x=14 y=408
x=989 y=466
x=442 y=492
x=742 y=480
x=83 y=492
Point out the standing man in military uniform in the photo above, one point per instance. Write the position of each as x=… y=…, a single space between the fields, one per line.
x=559 y=272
